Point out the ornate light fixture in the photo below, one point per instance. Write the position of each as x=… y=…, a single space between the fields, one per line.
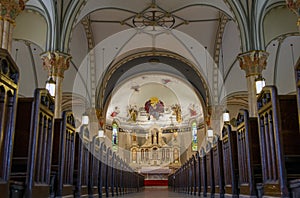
x=51 y=85
x=210 y=132
x=259 y=83
x=154 y=16
x=100 y=132
x=226 y=116
x=85 y=119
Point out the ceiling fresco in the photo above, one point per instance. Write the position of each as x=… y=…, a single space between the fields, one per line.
x=154 y=99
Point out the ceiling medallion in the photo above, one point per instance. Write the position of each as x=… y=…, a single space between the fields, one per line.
x=154 y=16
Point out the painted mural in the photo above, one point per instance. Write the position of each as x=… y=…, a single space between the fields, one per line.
x=154 y=100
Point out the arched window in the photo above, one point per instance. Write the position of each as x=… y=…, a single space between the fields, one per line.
x=115 y=140
x=134 y=155
x=146 y=154
x=194 y=137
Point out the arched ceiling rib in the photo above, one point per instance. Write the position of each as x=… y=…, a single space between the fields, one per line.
x=168 y=5
x=111 y=79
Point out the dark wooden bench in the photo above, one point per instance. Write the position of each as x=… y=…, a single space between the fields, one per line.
x=31 y=162
x=297 y=77
x=250 y=169
x=9 y=80
x=230 y=161
x=102 y=181
x=279 y=143
x=95 y=174
x=81 y=165
x=194 y=175
x=203 y=172
x=108 y=172
x=218 y=166
x=63 y=150
x=197 y=175
x=210 y=170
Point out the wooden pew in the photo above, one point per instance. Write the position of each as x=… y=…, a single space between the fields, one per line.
x=117 y=179
x=210 y=170
x=203 y=173
x=122 y=180
x=102 y=169
x=297 y=76
x=197 y=169
x=230 y=161
x=81 y=166
x=279 y=143
x=112 y=174
x=32 y=156
x=108 y=172
x=191 y=175
x=63 y=150
x=94 y=164
x=9 y=79
x=218 y=167
x=189 y=178
x=95 y=183
x=250 y=169
x=194 y=176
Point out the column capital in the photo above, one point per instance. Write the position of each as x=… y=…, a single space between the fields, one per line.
x=56 y=63
x=100 y=117
x=294 y=6
x=253 y=62
x=11 y=8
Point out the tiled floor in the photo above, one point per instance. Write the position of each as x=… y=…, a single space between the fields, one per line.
x=157 y=192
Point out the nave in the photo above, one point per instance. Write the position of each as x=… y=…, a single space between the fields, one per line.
x=158 y=192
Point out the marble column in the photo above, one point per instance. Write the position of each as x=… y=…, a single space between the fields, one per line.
x=253 y=63
x=9 y=10
x=294 y=6
x=56 y=63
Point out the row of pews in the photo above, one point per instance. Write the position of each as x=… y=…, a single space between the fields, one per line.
x=44 y=157
x=260 y=158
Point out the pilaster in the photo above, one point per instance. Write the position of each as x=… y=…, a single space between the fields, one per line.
x=56 y=63
x=253 y=63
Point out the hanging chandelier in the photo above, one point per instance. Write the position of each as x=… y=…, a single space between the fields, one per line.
x=154 y=16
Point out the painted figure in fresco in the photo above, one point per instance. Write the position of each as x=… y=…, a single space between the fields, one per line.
x=192 y=109
x=177 y=111
x=133 y=112
x=154 y=107
x=115 y=112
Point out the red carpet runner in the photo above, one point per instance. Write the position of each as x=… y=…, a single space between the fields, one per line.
x=156 y=182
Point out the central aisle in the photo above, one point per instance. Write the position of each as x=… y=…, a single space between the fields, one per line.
x=157 y=192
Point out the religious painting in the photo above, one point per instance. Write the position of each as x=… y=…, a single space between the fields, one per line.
x=154 y=108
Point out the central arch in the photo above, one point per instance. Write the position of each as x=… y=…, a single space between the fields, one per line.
x=115 y=71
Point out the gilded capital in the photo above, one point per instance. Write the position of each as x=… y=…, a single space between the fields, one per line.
x=11 y=8
x=56 y=63
x=253 y=62
x=294 y=6
x=100 y=117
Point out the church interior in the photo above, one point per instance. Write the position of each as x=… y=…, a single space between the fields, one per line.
x=102 y=98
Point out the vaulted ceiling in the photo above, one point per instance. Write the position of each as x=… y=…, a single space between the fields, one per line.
x=194 y=40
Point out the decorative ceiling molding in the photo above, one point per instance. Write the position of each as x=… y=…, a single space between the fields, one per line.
x=218 y=47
